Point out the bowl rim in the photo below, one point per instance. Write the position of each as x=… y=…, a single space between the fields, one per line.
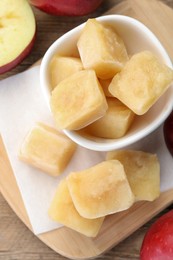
x=118 y=143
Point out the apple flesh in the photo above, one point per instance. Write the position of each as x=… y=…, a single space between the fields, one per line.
x=17 y=32
x=67 y=7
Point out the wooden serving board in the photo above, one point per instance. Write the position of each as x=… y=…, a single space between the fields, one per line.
x=159 y=18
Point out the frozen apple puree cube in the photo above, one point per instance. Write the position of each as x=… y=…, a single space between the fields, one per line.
x=100 y=190
x=47 y=149
x=142 y=170
x=115 y=123
x=141 y=82
x=62 y=67
x=63 y=211
x=78 y=101
x=101 y=49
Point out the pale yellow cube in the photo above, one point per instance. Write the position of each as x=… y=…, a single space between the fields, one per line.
x=62 y=67
x=47 y=149
x=141 y=82
x=142 y=170
x=63 y=211
x=115 y=123
x=101 y=49
x=78 y=101
x=100 y=190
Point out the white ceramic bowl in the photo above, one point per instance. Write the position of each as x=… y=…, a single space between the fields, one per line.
x=137 y=37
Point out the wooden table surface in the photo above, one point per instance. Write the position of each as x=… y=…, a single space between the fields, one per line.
x=16 y=240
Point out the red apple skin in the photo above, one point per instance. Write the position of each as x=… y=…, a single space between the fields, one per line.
x=66 y=7
x=158 y=241
x=168 y=132
x=9 y=66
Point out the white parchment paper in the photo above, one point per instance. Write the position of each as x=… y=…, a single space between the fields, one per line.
x=22 y=104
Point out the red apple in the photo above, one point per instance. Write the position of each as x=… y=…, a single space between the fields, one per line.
x=158 y=241
x=17 y=32
x=67 y=7
x=168 y=132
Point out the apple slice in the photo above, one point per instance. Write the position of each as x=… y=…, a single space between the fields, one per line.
x=17 y=32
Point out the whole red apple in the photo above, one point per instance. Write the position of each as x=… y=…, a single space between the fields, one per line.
x=18 y=30
x=168 y=132
x=158 y=241
x=67 y=7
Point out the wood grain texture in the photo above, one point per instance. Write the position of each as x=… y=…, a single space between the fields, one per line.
x=16 y=241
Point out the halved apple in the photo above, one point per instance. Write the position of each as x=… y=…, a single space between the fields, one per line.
x=17 y=32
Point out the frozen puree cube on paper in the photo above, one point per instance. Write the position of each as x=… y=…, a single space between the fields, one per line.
x=101 y=49
x=62 y=67
x=47 y=149
x=78 y=101
x=141 y=82
x=115 y=123
x=100 y=190
x=63 y=211
x=142 y=170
